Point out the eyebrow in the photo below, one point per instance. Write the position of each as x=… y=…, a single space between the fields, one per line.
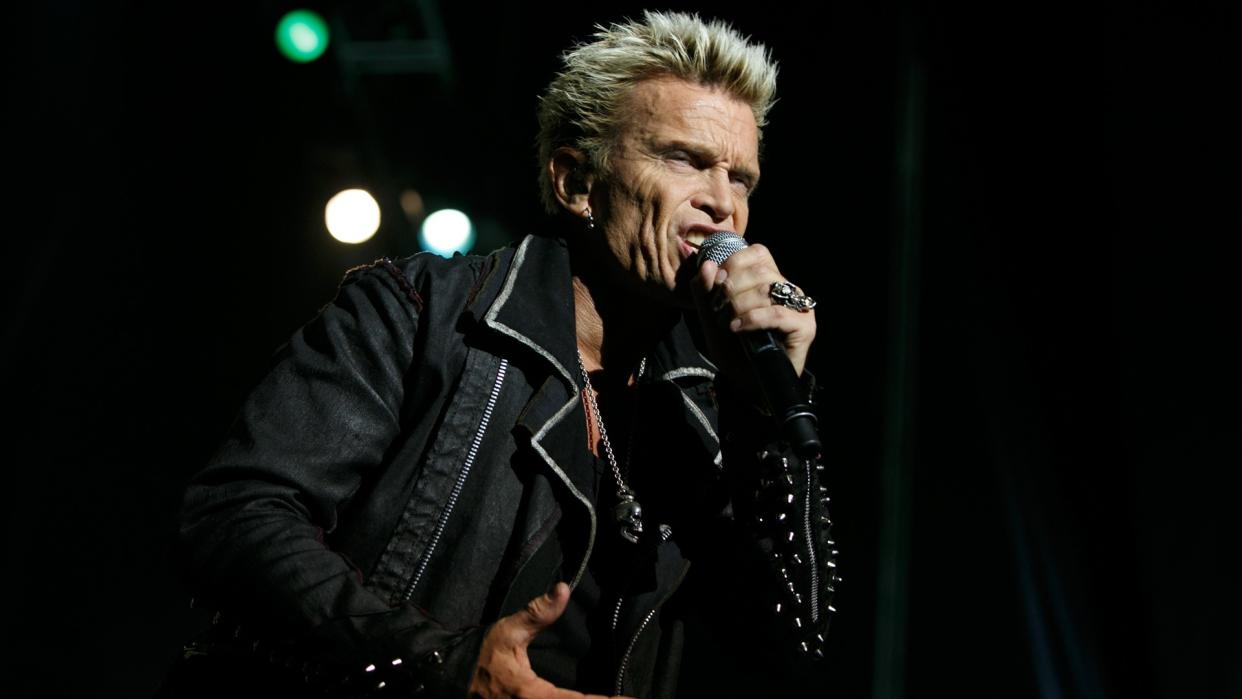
x=700 y=151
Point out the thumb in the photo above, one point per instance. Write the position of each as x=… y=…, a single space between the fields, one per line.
x=542 y=612
x=705 y=280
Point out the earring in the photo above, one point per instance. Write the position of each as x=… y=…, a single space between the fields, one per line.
x=590 y=220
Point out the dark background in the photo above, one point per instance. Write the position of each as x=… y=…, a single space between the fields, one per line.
x=1018 y=219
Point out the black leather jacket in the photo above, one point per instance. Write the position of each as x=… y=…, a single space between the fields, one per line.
x=414 y=467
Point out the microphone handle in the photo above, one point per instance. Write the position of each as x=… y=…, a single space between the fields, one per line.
x=779 y=382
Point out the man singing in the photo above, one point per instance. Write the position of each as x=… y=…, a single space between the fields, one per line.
x=551 y=470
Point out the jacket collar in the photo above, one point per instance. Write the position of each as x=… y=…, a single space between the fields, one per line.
x=535 y=307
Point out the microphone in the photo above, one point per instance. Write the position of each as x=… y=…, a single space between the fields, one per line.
x=770 y=365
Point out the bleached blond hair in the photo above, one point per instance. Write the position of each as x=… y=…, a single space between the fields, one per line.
x=581 y=107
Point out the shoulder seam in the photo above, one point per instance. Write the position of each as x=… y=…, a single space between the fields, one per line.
x=398 y=276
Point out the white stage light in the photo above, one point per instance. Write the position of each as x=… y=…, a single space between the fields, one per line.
x=353 y=216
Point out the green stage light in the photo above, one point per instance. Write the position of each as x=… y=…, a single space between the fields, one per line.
x=302 y=36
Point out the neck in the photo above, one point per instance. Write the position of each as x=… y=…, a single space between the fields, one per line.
x=614 y=334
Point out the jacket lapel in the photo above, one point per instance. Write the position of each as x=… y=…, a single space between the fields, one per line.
x=535 y=308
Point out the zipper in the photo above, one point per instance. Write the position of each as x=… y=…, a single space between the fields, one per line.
x=625 y=659
x=616 y=613
x=810 y=545
x=665 y=532
x=461 y=479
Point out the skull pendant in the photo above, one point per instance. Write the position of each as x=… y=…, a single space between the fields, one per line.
x=628 y=515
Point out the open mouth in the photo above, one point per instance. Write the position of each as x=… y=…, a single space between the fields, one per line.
x=691 y=240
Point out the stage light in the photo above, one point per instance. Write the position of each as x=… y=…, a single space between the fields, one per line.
x=447 y=231
x=412 y=204
x=352 y=216
x=302 y=36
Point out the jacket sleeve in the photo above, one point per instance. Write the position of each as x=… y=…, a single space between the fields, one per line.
x=780 y=507
x=253 y=520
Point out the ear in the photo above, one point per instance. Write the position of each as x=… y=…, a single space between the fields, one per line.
x=572 y=179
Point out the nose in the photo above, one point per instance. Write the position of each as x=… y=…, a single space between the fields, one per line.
x=715 y=196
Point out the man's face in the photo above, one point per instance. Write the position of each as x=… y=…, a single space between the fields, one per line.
x=684 y=164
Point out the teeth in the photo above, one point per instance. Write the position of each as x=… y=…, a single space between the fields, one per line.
x=696 y=237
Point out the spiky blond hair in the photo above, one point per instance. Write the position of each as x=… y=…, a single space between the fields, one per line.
x=581 y=107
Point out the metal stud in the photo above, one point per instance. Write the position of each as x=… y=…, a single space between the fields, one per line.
x=805 y=648
x=797 y=622
x=778 y=607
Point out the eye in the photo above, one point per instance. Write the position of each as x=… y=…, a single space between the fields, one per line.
x=679 y=156
x=741 y=183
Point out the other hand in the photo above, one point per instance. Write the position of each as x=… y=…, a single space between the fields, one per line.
x=504 y=669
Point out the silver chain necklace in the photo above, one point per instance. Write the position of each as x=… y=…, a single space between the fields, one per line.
x=627 y=513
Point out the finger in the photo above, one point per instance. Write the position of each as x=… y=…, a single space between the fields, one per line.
x=539 y=688
x=771 y=317
x=706 y=277
x=553 y=692
x=707 y=285
x=540 y=613
x=744 y=300
x=751 y=265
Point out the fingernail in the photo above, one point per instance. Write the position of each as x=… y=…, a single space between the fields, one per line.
x=721 y=275
x=735 y=324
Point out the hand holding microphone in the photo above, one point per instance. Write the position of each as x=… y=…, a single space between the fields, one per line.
x=759 y=329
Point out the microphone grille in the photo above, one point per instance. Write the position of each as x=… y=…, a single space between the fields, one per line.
x=719 y=246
